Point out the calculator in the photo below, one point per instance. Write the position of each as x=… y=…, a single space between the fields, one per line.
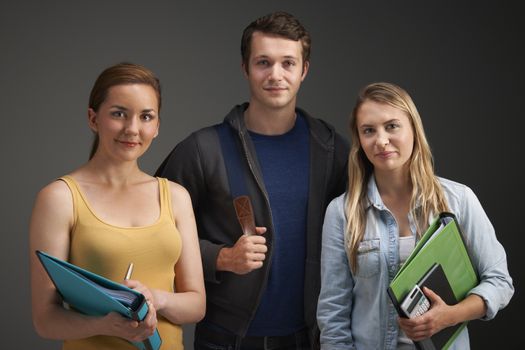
x=416 y=303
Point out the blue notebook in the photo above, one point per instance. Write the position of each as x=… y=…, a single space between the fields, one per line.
x=95 y=295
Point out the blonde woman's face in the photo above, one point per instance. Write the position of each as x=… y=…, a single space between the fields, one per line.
x=386 y=136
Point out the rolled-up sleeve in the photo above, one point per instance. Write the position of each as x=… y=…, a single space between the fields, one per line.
x=487 y=254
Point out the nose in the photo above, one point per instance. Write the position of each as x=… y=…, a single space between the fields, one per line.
x=382 y=139
x=276 y=72
x=132 y=126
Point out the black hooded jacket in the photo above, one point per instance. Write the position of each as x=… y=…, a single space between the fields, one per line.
x=197 y=164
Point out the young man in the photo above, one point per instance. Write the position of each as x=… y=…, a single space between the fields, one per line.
x=262 y=289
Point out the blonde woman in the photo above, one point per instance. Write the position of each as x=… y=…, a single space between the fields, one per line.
x=368 y=232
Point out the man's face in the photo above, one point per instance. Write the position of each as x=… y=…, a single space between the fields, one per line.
x=275 y=70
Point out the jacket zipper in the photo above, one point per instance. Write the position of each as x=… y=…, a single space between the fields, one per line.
x=261 y=187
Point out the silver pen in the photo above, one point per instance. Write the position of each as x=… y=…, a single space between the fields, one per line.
x=129 y=271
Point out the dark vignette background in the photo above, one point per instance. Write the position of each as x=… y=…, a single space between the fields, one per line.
x=462 y=62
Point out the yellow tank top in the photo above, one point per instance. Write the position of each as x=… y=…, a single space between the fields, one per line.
x=107 y=250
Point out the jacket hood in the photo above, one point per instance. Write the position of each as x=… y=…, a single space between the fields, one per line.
x=322 y=131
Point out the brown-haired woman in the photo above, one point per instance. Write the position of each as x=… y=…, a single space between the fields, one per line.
x=108 y=213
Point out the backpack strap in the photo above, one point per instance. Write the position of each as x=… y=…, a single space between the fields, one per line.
x=232 y=159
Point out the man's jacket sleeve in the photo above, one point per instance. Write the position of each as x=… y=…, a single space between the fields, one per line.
x=184 y=166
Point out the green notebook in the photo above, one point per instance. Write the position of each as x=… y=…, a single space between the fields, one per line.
x=441 y=244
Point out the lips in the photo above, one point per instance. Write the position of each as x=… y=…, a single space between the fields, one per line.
x=385 y=154
x=129 y=143
x=274 y=88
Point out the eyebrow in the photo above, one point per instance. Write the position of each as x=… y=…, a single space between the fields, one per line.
x=148 y=110
x=387 y=122
x=285 y=57
x=392 y=120
x=119 y=107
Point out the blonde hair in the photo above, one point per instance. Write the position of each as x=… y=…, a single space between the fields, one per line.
x=427 y=194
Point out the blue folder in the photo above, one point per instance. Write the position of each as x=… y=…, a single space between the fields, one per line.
x=94 y=295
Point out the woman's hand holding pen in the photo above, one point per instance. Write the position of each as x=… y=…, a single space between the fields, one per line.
x=146 y=327
x=135 y=330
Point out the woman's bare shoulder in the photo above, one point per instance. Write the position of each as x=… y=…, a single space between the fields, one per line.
x=55 y=193
x=178 y=192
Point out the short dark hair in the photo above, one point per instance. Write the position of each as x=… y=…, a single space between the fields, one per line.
x=278 y=23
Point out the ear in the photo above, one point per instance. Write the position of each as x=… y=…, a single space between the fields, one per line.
x=157 y=131
x=92 y=120
x=305 y=70
x=244 y=70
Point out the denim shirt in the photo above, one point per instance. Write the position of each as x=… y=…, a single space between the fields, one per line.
x=354 y=311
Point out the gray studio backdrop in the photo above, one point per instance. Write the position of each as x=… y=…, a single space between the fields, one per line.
x=461 y=62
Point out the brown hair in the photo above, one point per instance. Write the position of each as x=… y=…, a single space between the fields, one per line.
x=120 y=74
x=276 y=23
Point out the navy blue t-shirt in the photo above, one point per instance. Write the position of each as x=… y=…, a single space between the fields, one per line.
x=285 y=165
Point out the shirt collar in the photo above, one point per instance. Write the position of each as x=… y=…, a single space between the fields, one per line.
x=373 y=197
